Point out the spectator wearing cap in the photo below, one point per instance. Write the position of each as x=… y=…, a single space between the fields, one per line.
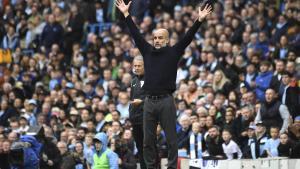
x=289 y=94
x=30 y=107
x=249 y=147
x=261 y=138
x=24 y=123
x=272 y=112
x=263 y=80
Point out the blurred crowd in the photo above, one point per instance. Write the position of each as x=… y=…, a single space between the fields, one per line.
x=237 y=83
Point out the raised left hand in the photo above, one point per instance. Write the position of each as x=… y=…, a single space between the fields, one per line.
x=204 y=12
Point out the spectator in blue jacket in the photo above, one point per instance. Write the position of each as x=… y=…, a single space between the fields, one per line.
x=30 y=148
x=263 y=80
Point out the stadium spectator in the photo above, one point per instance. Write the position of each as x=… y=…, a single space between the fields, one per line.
x=214 y=144
x=101 y=150
x=273 y=113
x=66 y=67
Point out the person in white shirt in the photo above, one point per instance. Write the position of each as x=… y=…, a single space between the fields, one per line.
x=230 y=148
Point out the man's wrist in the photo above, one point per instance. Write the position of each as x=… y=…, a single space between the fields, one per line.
x=126 y=14
x=200 y=19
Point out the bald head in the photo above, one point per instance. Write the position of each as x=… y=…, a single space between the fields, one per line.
x=160 y=38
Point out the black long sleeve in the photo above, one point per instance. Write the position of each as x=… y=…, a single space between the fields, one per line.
x=188 y=37
x=160 y=64
x=140 y=42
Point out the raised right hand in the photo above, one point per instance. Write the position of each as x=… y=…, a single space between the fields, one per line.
x=123 y=7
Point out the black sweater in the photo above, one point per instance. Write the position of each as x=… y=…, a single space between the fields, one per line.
x=160 y=64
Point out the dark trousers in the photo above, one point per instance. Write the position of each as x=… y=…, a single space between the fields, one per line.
x=163 y=111
x=138 y=135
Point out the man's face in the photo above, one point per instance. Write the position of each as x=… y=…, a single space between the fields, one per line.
x=286 y=79
x=185 y=123
x=280 y=66
x=115 y=115
x=98 y=145
x=213 y=132
x=138 y=66
x=62 y=148
x=116 y=127
x=81 y=134
x=246 y=113
x=297 y=123
x=160 y=38
x=264 y=68
x=270 y=94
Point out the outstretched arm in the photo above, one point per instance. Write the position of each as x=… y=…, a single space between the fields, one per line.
x=181 y=45
x=141 y=43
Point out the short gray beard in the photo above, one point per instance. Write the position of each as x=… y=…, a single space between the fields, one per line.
x=160 y=46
